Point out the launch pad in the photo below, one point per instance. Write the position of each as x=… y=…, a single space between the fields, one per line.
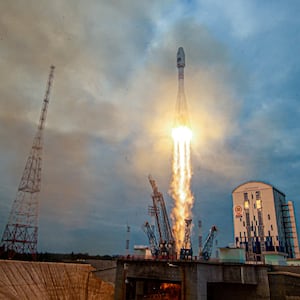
x=163 y=279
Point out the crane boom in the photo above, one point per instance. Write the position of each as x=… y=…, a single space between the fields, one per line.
x=161 y=214
x=151 y=237
x=208 y=244
x=166 y=239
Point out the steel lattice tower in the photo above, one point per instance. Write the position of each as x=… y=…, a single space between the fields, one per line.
x=21 y=231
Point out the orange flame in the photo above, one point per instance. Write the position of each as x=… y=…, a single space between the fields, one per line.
x=170 y=291
x=181 y=182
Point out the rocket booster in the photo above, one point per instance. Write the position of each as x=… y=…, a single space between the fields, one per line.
x=181 y=118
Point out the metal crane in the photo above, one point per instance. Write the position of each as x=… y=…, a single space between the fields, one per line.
x=208 y=244
x=148 y=229
x=166 y=239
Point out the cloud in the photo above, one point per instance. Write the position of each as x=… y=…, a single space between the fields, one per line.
x=112 y=106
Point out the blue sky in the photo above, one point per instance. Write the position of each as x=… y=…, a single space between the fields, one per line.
x=112 y=107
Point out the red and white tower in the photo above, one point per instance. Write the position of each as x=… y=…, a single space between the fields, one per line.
x=21 y=231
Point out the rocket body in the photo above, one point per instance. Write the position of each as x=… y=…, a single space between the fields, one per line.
x=180 y=58
x=181 y=118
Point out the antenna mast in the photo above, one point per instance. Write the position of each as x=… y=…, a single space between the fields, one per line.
x=21 y=231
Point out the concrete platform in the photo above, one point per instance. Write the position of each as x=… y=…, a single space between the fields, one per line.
x=194 y=280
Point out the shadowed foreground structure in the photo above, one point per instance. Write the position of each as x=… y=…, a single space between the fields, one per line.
x=40 y=280
x=198 y=280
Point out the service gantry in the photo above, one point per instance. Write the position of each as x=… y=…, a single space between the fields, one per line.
x=166 y=239
x=186 y=252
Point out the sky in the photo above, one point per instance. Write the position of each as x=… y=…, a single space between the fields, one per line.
x=112 y=107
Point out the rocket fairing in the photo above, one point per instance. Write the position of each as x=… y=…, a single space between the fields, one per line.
x=181 y=117
x=180 y=58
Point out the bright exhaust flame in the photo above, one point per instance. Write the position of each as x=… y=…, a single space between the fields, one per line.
x=181 y=182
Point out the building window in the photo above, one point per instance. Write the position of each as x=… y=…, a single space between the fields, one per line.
x=269 y=218
x=244 y=233
x=271 y=227
x=240 y=235
x=244 y=223
x=269 y=233
x=246 y=204
x=257 y=194
x=245 y=196
x=258 y=204
x=254 y=218
x=276 y=237
x=254 y=206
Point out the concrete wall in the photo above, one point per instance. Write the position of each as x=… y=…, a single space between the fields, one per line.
x=284 y=286
x=284 y=282
x=39 y=280
x=230 y=281
x=195 y=279
x=104 y=269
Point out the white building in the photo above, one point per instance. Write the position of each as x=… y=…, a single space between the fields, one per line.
x=264 y=222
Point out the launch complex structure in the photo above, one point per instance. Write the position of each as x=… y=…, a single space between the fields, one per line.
x=21 y=232
x=175 y=242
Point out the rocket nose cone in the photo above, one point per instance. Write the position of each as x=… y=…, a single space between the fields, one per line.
x=180 y=57
x=180 y=51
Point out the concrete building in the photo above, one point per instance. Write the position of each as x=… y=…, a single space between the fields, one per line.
x=189 y=280
x=264 y=222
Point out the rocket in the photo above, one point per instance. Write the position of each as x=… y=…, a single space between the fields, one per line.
x=180 y=58
x=181 y=116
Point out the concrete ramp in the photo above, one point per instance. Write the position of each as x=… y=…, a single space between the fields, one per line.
x=41 y=280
